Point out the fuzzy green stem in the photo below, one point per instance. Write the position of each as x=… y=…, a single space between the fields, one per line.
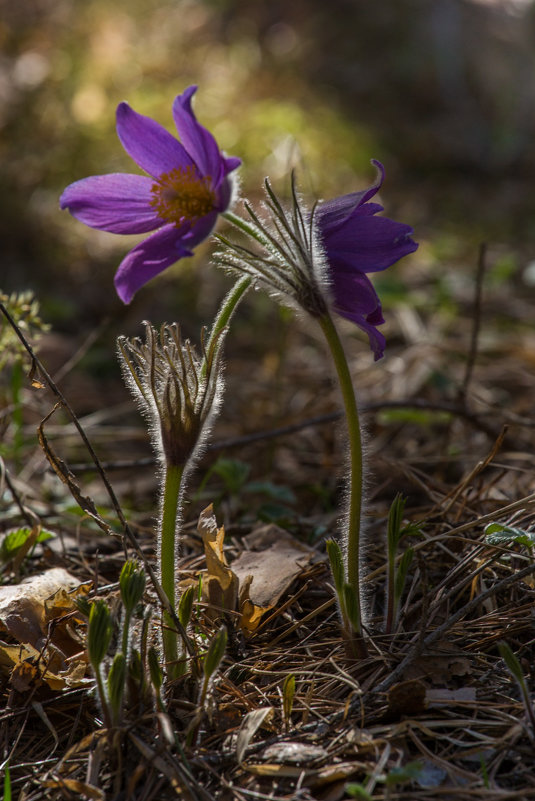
x=226 y=310
x=171 y=496
x=390 y=593
x=103 y=696
x=126 y=633
x=355 y=451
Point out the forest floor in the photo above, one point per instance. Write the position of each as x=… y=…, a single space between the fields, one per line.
x=433 y=711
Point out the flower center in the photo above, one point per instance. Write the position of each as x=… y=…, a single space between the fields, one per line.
x=182 y=195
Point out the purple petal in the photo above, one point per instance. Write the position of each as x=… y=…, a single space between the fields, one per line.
x=354 y=294
x=356 y=299
x=119 y=203
x=376 y=339
x=157 y=252
x=367 y=243
x=335 y=212
x=199 y=142
x=148 y=143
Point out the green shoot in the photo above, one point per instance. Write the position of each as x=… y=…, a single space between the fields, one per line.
x=396 y=573
x=116 y=684
x=132 y=586
x=156 y=677
x=515 y=669
x=288 y=694
x=7 y=784
x=99 y=633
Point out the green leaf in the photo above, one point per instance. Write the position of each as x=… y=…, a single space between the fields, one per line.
x=500 y=534
x=276 y=513
x=288 y=693
x=215 y=653
x=233 y=472
x=135 y=668
x=83 y=605
x=99 y=632
x=403 y=774
x=7 y=784
x=155 y=670
x=401 y=573
x=395 y=519
x=132 y=585
x=512 y=662
x=358 y=791
x=185 y=606
x=277 y=493
x=116 y=682
x=14 y=541
x=351 y=607
x=336 y=560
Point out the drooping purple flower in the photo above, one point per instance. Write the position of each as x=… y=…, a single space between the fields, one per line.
x=357 y=242
x=189 y=185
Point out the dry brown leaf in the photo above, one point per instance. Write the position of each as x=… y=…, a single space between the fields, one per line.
x=220 y=587
x=13 y=658
x=26 y=612
x=440 y=665
x=406 y=699
x=251 y=614
x=22 y=607
x=255 y=581
x=277 y=559
x=80 y=788
x=24 y=677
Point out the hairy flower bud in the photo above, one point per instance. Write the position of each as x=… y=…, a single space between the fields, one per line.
x=177 y=390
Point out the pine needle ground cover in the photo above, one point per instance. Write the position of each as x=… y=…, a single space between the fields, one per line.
x=433 y=711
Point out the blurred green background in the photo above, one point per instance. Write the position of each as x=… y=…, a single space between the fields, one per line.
x=443 y=93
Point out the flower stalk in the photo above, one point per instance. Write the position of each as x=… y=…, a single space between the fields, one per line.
x=318 y=261
x=170 y=513
x=178 y=391
x=356 y=478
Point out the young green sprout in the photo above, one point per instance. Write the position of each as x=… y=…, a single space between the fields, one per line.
x=116 y=685
x=288 y=695
x=99 y=634
x=517 y=673
x=132 y=586
x=156 y=677
x=396 y=571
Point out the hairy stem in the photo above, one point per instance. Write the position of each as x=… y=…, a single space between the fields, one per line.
x=355 y=451
x=171 y=496
x=226 y=310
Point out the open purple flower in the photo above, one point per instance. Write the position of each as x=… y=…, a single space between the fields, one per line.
x=188 y=187
x=357 y=242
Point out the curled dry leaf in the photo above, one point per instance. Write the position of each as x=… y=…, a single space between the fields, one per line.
x=256 y=580
x=26 y=612
x=406 y=699
x=274 y=560
x=221 y=585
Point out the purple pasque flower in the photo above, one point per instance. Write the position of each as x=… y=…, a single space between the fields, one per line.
x=357 y=242
x=187 y=186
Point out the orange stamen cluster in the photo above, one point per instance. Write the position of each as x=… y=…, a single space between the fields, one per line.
x=182 y=195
